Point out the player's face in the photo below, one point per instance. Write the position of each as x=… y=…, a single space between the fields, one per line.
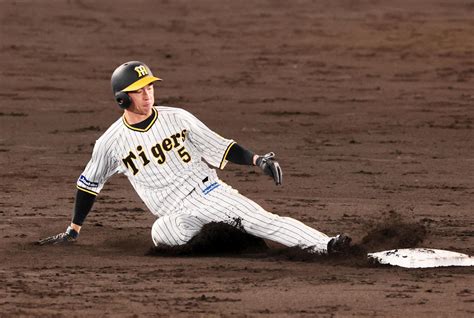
x=142 y=100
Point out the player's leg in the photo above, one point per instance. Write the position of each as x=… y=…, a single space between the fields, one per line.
x=175 y=229
x=226 y=204
x=284 y=230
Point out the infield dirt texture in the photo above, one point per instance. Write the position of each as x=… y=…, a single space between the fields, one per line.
x=369 y=106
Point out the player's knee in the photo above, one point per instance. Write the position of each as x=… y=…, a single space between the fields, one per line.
x=174 y=230
x=164 y=231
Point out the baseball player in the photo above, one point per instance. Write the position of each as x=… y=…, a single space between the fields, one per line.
x=162 y=152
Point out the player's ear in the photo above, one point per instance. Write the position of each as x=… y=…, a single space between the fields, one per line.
x=123 y=100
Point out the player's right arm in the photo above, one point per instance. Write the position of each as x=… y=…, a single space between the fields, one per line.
x=101 y=166
x=83 y=204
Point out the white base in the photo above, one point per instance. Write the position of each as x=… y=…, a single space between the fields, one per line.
x=421 y=258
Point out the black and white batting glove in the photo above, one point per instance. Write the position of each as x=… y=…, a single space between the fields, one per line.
x=270 y=167
x=67 y=237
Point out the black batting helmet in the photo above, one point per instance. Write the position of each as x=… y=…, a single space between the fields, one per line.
x=129 y=77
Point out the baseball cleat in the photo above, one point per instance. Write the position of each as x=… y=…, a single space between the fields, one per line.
x=339 y=244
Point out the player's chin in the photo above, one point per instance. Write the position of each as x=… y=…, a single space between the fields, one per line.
x=146 y=107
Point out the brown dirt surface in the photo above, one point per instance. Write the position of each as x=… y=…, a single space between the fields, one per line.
x=368 y=105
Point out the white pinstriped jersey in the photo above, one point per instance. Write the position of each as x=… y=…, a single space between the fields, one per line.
x=163 y=161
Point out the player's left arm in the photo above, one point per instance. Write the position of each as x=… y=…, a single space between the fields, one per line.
x=239 y=155
x=217 y=150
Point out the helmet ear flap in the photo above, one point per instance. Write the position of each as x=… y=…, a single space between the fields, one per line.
x=123 y=100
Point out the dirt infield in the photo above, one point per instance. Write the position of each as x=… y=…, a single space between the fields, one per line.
x=369 y=106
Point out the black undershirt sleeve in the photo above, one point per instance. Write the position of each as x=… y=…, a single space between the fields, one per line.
x=82 y=206
x=239 y=155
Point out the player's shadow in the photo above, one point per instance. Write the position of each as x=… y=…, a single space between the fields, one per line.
x=215 y=238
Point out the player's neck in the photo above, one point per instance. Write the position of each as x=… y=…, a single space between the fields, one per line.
x=135 y=117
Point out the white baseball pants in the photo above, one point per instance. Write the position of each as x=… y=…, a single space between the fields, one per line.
x=218 y=202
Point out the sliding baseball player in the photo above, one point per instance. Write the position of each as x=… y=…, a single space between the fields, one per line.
x=167 y=154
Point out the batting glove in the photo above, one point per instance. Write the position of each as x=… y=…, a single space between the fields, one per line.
x=67 y=237
x=270 y=167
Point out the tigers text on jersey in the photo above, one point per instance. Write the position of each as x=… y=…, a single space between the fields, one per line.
x=162 y=161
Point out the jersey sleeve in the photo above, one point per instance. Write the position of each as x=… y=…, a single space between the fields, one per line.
x=213 y=147
x=100 y=168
